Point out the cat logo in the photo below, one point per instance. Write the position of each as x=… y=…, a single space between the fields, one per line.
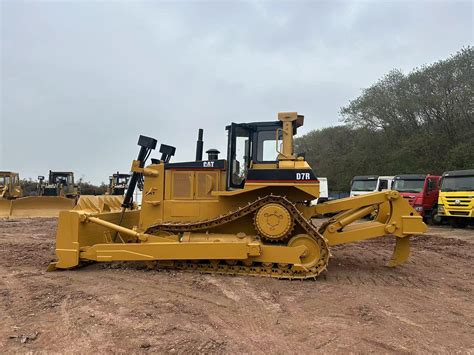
x=303 y=176
x=208 y=164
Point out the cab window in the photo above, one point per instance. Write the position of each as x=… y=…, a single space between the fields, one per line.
x=383 y=185
x=240 y=163
x=267 y=146
x=431 y=185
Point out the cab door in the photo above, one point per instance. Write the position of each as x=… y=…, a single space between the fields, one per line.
x=430 y=197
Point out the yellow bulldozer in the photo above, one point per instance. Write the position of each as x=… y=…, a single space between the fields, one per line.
x=118 y=183
x=60 y=183
x=10 y=185
x=51 y=198
x=248 y=214
x=10 y=189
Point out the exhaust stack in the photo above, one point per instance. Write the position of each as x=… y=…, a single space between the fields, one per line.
x=199 y=145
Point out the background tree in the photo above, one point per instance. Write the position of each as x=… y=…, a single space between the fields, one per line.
x=422 y=122
x=88 y=188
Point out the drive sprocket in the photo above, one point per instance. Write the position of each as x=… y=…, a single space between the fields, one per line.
x=273 y=222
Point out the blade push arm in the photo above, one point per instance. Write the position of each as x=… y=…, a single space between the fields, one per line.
x=394 y=217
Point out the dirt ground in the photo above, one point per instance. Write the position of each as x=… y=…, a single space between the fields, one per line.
x=358 y=305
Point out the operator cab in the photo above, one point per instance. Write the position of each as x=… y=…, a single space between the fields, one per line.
x=8 y=178
x=119 y=179
x=258 y=153
x=252 y=146
x=61 y=178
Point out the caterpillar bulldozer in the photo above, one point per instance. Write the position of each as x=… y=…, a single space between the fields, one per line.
x=10 y=189
x=10 y=185
x=51 y=198
x=118 y=183
x=248 y=214
x=60 y=183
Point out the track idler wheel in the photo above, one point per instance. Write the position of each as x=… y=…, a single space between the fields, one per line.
x=273 y=222
x=313 y=252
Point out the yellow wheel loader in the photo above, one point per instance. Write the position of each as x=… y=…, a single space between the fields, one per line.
x=249 y=214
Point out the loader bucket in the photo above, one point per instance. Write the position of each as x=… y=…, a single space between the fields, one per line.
x=40 y=206
x=5 y=207
x=72 y=234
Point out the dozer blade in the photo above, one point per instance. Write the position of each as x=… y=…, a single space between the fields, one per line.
x=99 y=204
x=40 y=206
x=5 y=207
x=401 y=252
x=72 y=235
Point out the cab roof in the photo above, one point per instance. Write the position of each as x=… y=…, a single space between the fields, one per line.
x=411 y=177
x=365 y=177
x=469 y=172
x=8 y=173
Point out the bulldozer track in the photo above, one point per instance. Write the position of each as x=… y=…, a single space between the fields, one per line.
x=255 y=269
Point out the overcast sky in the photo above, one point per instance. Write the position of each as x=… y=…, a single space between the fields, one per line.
x=80 y=80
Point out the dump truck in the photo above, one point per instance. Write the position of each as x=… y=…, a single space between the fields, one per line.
x=364 y=184
x=421 y=191
x=456 y=198
x=323 y=191
x=247 y=214
x=118 y=183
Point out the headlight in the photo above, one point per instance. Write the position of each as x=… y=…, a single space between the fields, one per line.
x=441 y=209
x=419 y=208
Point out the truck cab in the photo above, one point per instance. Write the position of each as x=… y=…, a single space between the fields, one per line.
x=421 y=191
x=456 y=197
x=323 y=191
x=361 y=185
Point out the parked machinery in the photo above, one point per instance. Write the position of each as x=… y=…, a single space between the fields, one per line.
x=421 y=191
x=10 y=189
x=456 y=197
x=14 y=205
x=60 y=183
x=118 y=183
x=361 y=185
x=10 y=185
x=248 y=214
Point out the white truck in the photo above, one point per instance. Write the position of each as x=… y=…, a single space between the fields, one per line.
x=361 y=185
x=323 y=191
